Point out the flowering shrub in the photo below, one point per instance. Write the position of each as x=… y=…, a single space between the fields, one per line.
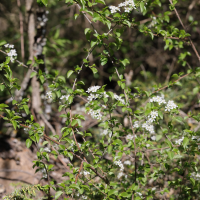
x=128 y=161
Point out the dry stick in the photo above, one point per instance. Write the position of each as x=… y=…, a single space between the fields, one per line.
x=21 y=30
x=19 y=62
x=194 y=48
x=48 y=124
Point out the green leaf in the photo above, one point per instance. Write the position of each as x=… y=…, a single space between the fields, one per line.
x=45 y=2
x=100 y=1
x=113 y=191
x=69 y=73
x=74 y=122
x=14 y=123
x=28 y=143
x=142 y=8
x=94 y=70
x=57 y=195
x=169 y=143
x=170 y=154
x=29 y=62
x=192 y=181
x=33 y=74
x=2 y=87
x=62 y=79
x=185 y=142
x=2 y=105
x=70 y=155
x=2 y=42
x=160 y=114
x=26 y=108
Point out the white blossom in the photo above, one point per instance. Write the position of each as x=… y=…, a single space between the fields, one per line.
x=49 y=95
x=136 y=124
x=153 y=137
x=120 y=175
x=127 y=162
x=139 y=194
x=107 y=132
x=119 y=163
x=46 y=149
x=66 y=97
x=170 y=105
x=93 y=89
x=84 y=197
x=152 y=116
x=12 y=54
x=195 y=176
x=130 y=137
x=148 y=127
x=119 y=99
x=85 y=173
x=114 y=9
x=158 y=99
x=44 y=173
x=96 y=114
x=179 y=141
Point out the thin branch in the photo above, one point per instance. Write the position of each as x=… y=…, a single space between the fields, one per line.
x=194 y=48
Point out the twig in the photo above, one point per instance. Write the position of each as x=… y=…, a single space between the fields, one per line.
x=19 y=62
x=21 y=30
x=194 y=48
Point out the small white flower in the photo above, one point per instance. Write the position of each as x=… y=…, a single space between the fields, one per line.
x=179 y=141
x=153 y=138
x=136 y=124
x=127 y=162
x=120 y=175
x=114 y=9
x=130 y=137
x=195 y=176
x=170 y=105
x=93 y=89
x=85 y=173
x=49 y=95
x=46 y=149
x=6 y=45
x=158 y=99
x=119 y=163
x=107 y=132
x=96 y=114
x=84 y=197
x=66 y=97
x=119 y=98
x=148 y=145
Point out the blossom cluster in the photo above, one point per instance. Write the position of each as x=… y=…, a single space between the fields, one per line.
x=153 y=22
x=119 y=163
x=44 y=173
x=179 y=141
x=12 y=53
x=119 y=98
x=66 y=97
x=152 y=117
x=107 y=132
x=128 y=6
x=158 y=100
x=136 y=124
x=93 y=89
x=46 y=149
x=170 y=105
x=195 y=176
x=127 y=162
x=85 y=173
x=96 y=114
x=130 y=137
x=49 y=95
